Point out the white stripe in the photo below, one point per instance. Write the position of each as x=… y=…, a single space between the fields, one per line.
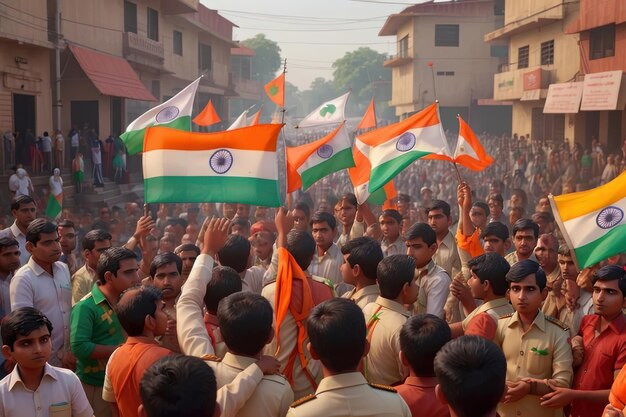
x=255 y=164
x=315 y=118
x=584 y=229
x=469 y=150
x=340 y=142
x=428 y=139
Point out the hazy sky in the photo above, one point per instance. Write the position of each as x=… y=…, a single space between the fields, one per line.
x=312 y=34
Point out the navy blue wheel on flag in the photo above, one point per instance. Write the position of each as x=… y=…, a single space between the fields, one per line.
x=609 y=217
x=406 y=142
x=325 y=151
x=221 y=161
x=167 y=114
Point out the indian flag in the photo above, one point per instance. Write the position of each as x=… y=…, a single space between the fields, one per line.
x=188 y=167
x=55 y=205
x=174 y=113
x=593 y=221
x=329 y=112
x=311 y=162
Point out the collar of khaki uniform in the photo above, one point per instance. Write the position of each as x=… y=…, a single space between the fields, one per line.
x=392 y=305
x=238 y=361
x=539 y=321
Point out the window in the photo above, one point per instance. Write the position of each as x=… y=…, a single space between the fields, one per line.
x=498 y=8
x=602 y=42
x=130 y=17
x=547 y=52
x=500 y=51
x=155 y=89
x=403 y=47
x=446 y=35
x=153 y=24
x=178 y=43
x=204 y=57
x=522 y=57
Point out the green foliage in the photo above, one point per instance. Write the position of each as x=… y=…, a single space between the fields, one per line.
x=267 y=60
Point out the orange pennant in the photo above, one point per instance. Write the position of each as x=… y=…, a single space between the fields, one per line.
x=391 y=195
x=275 y=90
x=208 y=116
x=255 y=118
x=369 y=118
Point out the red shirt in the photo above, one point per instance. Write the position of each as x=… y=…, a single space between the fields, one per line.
x=419 y=394
x=604 y=355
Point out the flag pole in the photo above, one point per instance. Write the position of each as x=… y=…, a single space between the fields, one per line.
x=287 y=199
x=456 y=168
x=282 y=118
x=432 y=73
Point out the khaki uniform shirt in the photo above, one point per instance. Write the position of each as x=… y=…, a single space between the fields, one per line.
x=542 y=352
x=447 y=255
x=364 y=296
x=328 y=266
x=434 y=287
x=384 y=318
x=272 y=396
x=397 y=247
x=350 y=395
x=82 y=282
x=512 y=258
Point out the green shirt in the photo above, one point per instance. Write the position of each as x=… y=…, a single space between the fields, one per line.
x=93 y=322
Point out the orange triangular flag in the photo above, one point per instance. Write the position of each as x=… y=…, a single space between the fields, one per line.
x=275 y=90
x=208 y=116
x=369 y=118
x=469 y=152
x=254 y=119
x=391 y=195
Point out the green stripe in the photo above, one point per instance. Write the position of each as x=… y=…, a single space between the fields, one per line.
x=612 y=243
x=378 y=197
x=338 y=162
x=133 y=140
x=212 y=189
x=53 y=208
x=383 y=173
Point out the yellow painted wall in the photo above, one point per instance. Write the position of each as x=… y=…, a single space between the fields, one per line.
x=95 y=23
x=516 y=10
x=25 y=21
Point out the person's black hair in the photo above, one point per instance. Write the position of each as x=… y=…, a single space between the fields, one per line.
x=491 y=267
x=177 y=221
x=110 y=261
x=393 y=272
x=421 y=337
x=186 y=247
x=93 y=236
x=522 y=269
x=163 y=259
x=7 y=242
x=526 y=224
x=134 y=305
x=224 y=282
x=543 y=216
x=483 y=206
x=350 y=198
x=178 y=386
x=365 y=252
x=404 y=197
x=37 y=227
x=66 y=223
x=21 y=322
x=301 y=245
x=323 y=216
x=496 y=197
x=564 y=250
x=471 y=372
x=612 y=273
x=235 y=253
x=302 y=206
x=245 y=321
x=440 y=205
x=522 y=194
x=19 y=200
x=424 y=231
x=337 y=333
x=394 y=214
x=496 y=229
x=240 y=221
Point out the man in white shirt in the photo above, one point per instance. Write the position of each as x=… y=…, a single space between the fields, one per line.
x=9 y=263
x=24 y=211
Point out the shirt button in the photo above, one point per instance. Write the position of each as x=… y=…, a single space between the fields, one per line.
x=521 y=352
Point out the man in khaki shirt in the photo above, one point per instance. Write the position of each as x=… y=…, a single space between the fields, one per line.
x=390 y=222
x=344 y=391
x=546 y=252
x=94 y=243
x=361 y=257
x=386 y=316
x=536 y=347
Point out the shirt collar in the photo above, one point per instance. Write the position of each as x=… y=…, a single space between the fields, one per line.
x=340 y=381
x=15 y=375
x=448 y=240
x=134 y=340
x=332 y=251
x=238 y=361
x=540 y=321
x=421 y=381
x=365 y=291
x=616 y=325
x=97 y=294
x=38 y=270
x=430 y=268
x=392 y=305
x=16 y=231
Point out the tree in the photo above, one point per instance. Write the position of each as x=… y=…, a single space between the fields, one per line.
x=362 y=71
x=319 y=91
x=267 y=59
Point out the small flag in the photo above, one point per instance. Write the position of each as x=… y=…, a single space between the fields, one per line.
x=275 y=90
x=254 y=119
x=468 y=152
x=311 y=162
x=188 y=167
x=369 y=118
x=332 y=111
x=241 y=121
x=174 y=113
x=592 y=221
x=208 y=116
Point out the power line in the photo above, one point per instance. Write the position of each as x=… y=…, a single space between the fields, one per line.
x=310 y=30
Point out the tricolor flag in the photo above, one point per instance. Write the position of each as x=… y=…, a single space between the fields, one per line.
x=208 y=116
x=332 y=111
x=55 y=204
x=369 y=118
x=592 y=221
x=388 y=150
x=188 y=167
x=275 y=90
x=174 y=113
x=311 y=162
x=469 y=152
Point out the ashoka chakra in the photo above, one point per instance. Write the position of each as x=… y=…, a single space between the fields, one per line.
x=325 y=151
x=221 y=161
x=609 y=217
x=406 y=142
x=167 y=114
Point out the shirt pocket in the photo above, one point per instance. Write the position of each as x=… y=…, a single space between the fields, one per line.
x=64 y=410
x=540 y=362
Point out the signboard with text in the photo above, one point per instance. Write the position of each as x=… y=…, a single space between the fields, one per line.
x=601 y=90
x=564 y=98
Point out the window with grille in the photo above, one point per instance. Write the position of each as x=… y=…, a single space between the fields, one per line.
x=602 y=42
x=547 y=52
x=153 y=24
x=403 y=47
x=130 y=17
x=522 y=57
x=446 y=35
